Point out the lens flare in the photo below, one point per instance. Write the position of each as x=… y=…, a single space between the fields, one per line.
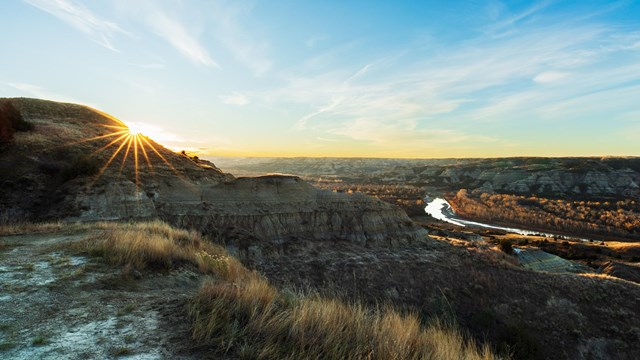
x=128 y=140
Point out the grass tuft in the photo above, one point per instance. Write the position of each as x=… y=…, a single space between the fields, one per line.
x=39 y=340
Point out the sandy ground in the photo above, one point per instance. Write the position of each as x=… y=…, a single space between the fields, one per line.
x=54 y=305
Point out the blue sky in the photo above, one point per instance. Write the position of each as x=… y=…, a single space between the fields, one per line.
x=341 y=78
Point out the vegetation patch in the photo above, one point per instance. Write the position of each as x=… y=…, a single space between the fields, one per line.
x=40 y=340
x=610 y=218
x=251 y=319
x=34 y=228
x=157 y=246
x=239 y=313
x=127 y=309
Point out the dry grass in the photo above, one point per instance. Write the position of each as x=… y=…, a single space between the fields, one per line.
x=47 y=134
x=603 y=277
x=157 y=245
x=240 y=313
x=253 y=320
x=34 y=228
x=7 y=229
x=142 y=245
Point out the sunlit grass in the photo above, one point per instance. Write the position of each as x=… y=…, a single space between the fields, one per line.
x=155 y=245
x=253 y=319
x=36 y=228
x=238 y=312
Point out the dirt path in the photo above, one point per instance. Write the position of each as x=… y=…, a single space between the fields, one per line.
x=54 y=305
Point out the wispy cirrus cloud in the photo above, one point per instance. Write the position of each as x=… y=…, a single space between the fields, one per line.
x=228 y=20
x=497 y=12
x=550 y=76
x=171 y=21
x=444 y=97
x=176 y=34
x=81 y=18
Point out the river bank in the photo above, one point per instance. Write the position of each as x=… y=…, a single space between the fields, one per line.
x=441 y=209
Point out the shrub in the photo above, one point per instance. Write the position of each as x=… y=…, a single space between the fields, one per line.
x=506 y=246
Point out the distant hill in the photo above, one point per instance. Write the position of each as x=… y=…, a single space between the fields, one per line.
x=607 y=177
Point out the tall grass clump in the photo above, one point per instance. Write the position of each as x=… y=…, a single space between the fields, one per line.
x=156 y=245
x=251 y=319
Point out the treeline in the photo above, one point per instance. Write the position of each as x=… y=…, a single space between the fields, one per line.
x=615 y=218
x=409 y=198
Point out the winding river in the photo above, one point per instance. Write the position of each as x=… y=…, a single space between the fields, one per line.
x=440 y=209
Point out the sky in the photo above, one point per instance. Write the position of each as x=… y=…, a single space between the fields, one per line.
x=407 y=79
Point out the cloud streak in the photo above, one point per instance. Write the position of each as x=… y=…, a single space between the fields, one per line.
x=247 y=49
x=79 y=17
x=444 y=97
x=176 y=34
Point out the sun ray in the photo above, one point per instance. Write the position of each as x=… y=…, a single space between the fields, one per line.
x=125 y=137
x=135 y=157
x=115 y=126
x=110 y=144
x=144 y=152
x=115 y=153
x=126 y=153
x=160 y=155
x=97 y=138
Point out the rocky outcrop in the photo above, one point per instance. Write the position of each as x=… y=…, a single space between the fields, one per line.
x=280 y=209
x=44 y=182
x=272 y=210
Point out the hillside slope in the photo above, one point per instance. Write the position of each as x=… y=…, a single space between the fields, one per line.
x=80 y=164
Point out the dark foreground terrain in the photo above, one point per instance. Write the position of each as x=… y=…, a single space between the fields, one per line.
x=344 y=275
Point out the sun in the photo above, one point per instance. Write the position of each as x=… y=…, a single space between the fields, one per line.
x=130 y=142
x=138 y=128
